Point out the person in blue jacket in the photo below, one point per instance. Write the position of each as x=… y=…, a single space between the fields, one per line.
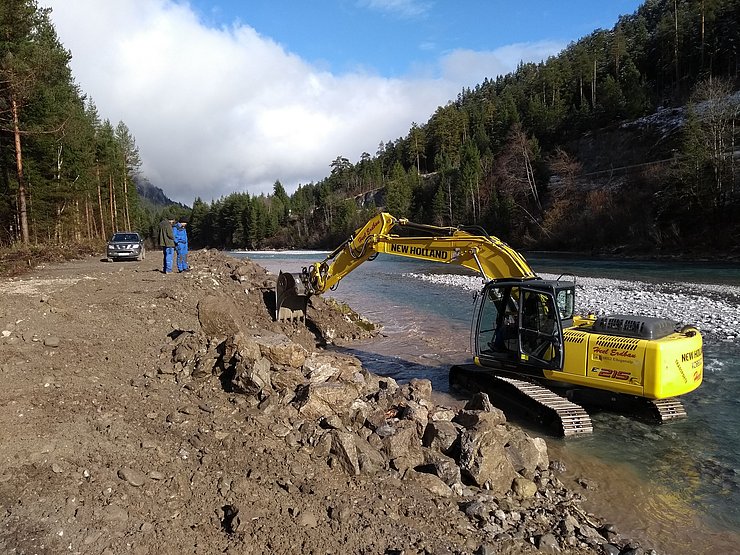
x=181 y=245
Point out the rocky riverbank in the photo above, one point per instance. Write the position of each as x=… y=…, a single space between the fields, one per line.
x=148 y=413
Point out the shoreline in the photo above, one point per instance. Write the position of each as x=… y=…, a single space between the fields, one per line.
x=639 y=508
x=165 y=293
x=137 y=441
x=719 y=314
x=732 y=260
x=619 y=493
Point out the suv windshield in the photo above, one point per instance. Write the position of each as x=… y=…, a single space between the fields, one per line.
x=125 y=237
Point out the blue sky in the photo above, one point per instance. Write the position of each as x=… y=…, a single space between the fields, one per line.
x=228 y=95
x=399 y=38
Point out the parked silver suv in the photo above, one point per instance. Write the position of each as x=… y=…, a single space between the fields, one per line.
x=125 y=245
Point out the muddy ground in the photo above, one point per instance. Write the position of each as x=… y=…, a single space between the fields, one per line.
x=117 y=439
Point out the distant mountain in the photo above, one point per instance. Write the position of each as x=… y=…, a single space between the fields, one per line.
x=153 y=195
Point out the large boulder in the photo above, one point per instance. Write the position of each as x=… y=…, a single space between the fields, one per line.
x=403 y=446
x=474 y=418
x=442 y=466
x=219 y=317
x=441 y=436
x=371 y=460
x=241 y=347
x=279 y=349
x=420 y=390
x=417 y=414
x=253 y=275
x=252 y=378
x=527 y=454
x=324 y=400
x=429 y=482
x=319 y=367
x=483 y=457
x=480 y=401
x=345 y=451
x=285 y=380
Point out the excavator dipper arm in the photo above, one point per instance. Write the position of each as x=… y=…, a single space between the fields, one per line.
x=470 y=247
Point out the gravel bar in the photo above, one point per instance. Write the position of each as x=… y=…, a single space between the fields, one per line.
x=713 y=309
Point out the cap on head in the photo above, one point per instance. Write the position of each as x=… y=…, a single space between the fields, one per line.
x=183 y=220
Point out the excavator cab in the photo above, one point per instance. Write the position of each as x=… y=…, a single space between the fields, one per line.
x=519 y=323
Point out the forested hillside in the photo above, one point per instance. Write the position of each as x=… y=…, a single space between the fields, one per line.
x=624 y=142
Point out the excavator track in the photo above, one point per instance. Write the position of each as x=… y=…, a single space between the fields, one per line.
x=573 y=418
x=668 y=409
x=541 y=403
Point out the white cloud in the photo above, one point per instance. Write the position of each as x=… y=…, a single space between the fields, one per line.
x=468 y=66
x=215 y=111
x=403 y=8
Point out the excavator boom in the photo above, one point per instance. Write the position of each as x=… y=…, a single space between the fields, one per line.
x=470 y=247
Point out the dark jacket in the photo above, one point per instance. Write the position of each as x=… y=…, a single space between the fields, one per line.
x=166 y=238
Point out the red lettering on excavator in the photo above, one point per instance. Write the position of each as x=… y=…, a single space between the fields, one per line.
x=625 y=354
x=614 y=374
x=361 y=238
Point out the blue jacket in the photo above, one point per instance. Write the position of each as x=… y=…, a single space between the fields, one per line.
x=181 y=236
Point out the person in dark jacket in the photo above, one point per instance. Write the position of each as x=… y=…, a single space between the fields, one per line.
x=166 y=240
x=181 y=245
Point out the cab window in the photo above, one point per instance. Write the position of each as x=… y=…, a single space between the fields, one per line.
x=499 y=320
x=566 y=303
x=539 y=328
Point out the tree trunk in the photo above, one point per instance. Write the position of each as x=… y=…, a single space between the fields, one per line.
x=449 y=198
x=477 y=191
x=593 y=87
x=60 y=209
x=675 y=41
x=529 y=171
x=22 y=207
x=416 y=147
x=78 y=223
x=100 y=204
x=58 y=224
x=702 y=34
x=112 y=202
x=732 y=159
x=88 y=221
x=125 y=201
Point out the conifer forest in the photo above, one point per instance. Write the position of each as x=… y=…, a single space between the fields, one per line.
x=626 y=142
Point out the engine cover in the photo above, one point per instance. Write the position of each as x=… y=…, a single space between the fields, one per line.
x=641 y=327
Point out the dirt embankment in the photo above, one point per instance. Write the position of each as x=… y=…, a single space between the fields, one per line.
x=150 y=413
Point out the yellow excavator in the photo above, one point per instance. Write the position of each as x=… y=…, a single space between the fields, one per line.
x=526 y=339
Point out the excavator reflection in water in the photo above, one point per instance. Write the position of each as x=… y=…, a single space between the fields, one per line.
x=526 y=339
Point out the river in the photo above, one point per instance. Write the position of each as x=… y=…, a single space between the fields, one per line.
x=675 y=485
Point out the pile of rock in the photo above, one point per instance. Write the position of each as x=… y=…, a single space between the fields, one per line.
x=361 y=424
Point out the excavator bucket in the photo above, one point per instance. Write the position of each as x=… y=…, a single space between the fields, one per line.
x=291 y=298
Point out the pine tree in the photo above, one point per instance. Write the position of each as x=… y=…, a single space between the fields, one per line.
x=31 y=60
